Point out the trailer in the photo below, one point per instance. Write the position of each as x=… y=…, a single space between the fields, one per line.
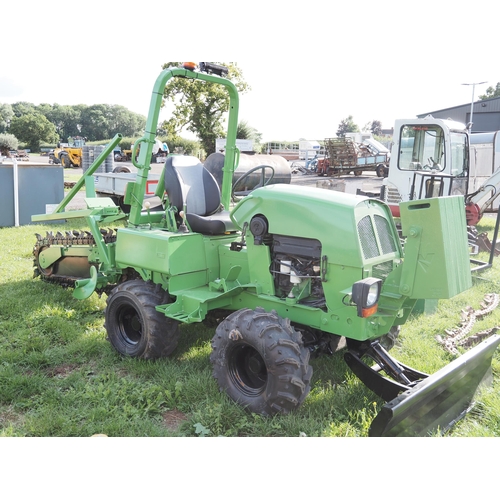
x=344 y=155
x=114 y=185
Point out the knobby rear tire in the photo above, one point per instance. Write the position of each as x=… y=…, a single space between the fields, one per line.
x=260 y=361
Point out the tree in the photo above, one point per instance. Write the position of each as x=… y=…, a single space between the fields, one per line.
x=375 y=127
x=245 y=131
x=347 y=125
x=7 y=143
x=22 y=108
x=104 y=121
x=32 y=129
x=6 y=115
x=66 y=119
x=491 y=92
x=95 y=122
x=125 y=122
x=200 y=106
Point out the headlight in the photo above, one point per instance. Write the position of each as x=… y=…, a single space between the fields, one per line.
x=365 y=294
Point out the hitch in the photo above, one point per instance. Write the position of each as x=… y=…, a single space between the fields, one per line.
x=419 y=404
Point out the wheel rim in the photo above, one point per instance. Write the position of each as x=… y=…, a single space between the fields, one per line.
x=129 y=325
x=247 y=370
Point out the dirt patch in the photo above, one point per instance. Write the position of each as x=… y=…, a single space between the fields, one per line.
x=173 y=419
x=10 y=417
x=61 y=371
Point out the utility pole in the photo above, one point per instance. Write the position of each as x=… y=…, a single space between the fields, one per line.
x=469 y=125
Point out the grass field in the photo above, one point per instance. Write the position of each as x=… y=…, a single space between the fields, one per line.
x=59 y=376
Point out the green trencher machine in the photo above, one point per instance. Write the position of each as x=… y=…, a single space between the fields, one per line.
x=286 y=271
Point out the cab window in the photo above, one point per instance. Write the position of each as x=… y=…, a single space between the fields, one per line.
x=421 y=147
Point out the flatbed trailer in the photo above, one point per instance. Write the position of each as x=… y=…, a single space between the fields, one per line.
x=344 y=155
x=114 y=185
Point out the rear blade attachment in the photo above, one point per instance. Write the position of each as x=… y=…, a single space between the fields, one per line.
x=436 y=402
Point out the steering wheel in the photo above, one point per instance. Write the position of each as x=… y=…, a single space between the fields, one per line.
x=263 y=180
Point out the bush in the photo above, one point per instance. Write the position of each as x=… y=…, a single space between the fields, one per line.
x=7 y=143
x=189 y=147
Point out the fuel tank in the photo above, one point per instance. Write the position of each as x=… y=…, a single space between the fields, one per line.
x=252 y=170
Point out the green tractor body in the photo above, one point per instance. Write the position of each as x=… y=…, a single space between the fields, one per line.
x=285 y=271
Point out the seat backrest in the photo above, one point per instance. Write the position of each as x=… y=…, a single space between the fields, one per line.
x=188 y=182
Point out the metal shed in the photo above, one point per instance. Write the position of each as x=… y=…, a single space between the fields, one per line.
x=485 y=114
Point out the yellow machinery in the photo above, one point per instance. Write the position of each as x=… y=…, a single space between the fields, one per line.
x=69 y=154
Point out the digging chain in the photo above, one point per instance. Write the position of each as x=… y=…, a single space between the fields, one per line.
x=460 y=336
x=69 y=239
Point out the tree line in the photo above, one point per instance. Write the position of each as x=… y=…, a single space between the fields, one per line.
x=50 y=123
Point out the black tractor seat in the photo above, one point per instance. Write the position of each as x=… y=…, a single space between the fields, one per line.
x=189 y=184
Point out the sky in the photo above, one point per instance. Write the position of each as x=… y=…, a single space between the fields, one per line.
x=308 y=65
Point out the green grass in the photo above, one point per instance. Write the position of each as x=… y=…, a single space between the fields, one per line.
x=59 y=376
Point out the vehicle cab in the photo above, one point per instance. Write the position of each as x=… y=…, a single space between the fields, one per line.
x=429 y=159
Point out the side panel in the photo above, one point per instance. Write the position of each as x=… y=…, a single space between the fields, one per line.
x=160 y=251
x=484 y=161
x=436 y=264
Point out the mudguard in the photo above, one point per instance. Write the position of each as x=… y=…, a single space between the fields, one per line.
x=438 y=401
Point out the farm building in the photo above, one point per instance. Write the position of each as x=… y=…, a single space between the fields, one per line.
x=485 y=114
